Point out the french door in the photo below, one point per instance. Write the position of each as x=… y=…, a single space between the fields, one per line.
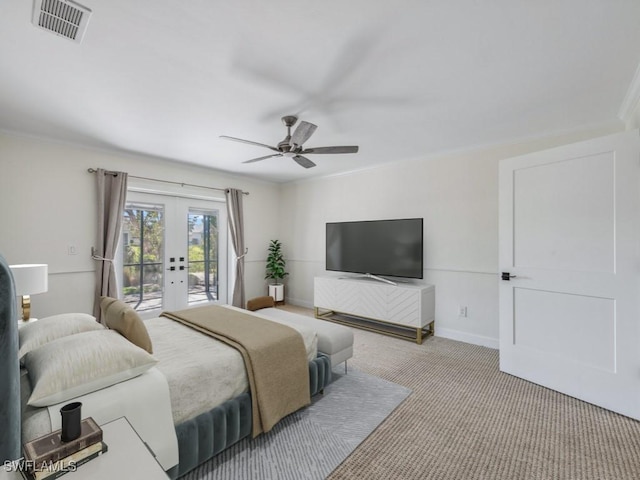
x=173 y=252
x=569 y=243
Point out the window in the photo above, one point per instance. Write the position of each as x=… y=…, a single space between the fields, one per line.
x=143 y=251
x=203 y=256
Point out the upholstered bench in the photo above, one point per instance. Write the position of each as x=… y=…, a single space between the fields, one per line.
x=335 y=341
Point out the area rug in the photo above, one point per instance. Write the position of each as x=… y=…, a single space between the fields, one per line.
x=311 y=443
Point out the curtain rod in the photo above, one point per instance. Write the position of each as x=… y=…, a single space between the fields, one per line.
x=182 y=184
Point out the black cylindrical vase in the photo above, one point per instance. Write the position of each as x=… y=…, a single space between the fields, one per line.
x=71 y=419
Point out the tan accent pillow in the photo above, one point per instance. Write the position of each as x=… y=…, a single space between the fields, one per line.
x=120 y=317
x=78 y=364
x=260 y=302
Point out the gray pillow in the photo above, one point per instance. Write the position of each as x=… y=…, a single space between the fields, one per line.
x=83 y=363
x=37 y=333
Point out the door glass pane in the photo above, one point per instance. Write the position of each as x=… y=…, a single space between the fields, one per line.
x=203 y=256
x=143 y=256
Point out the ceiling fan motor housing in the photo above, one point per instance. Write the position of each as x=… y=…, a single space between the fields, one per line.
x=285 y=145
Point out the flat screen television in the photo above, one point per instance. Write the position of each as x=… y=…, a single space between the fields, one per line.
x=390 y=248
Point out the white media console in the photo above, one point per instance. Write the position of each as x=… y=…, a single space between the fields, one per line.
x=402 y=310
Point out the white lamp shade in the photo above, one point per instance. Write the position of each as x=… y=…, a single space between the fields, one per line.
x=30 y=279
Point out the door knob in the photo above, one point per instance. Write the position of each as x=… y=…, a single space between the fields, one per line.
x=507 y=276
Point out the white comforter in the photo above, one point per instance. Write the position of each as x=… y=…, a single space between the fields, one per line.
x=202 y=372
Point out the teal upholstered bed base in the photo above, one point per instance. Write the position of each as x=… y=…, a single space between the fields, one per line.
x=206 y=435
x=199 y=439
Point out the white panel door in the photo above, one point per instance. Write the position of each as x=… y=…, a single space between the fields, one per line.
x=569 y=238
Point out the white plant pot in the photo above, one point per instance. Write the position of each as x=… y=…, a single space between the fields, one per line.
x=277 y=292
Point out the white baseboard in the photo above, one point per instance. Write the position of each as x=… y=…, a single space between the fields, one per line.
x=440 y=332
x=467 y=337
x=298 y=302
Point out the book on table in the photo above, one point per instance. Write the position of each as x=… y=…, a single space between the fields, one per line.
x=53 y=470
x=50 y=448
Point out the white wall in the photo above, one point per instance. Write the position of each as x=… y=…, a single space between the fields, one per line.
x=456 y=194
x=48 y=202
x=630 y=109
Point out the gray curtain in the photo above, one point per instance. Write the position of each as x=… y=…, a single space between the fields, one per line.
x=236 y=228
x=112 y=194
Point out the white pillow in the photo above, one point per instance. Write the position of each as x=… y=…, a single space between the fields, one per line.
x=83 y=363
x=37 y=333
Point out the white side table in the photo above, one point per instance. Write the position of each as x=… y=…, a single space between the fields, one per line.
x=127 y=457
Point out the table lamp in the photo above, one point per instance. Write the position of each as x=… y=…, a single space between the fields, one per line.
x=29 y=279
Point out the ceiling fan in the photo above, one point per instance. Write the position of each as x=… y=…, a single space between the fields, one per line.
x=291 y=145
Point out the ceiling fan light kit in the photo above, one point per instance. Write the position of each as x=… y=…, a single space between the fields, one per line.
x=291 y=145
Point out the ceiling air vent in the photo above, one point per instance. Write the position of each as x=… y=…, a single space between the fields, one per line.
x=62 y=17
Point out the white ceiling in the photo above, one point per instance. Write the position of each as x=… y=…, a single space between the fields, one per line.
x=402 y=79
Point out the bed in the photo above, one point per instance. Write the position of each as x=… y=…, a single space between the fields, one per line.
x=204 y=420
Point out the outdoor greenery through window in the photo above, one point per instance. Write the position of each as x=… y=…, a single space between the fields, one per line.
x=143 y=250
x=187 y=274
x=203 y=256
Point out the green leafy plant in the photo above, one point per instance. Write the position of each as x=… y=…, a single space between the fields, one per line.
x=275 y=262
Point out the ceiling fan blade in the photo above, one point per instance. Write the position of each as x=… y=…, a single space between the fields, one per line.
x=249 y=142
x=262 y=158
x=303 y=161
x=302 y=133
x=343 y=149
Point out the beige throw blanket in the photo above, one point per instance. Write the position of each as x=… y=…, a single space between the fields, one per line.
x=274 y=356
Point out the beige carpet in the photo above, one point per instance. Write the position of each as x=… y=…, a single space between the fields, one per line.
x=465 y=420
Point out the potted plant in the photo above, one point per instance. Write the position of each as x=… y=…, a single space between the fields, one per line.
x=275 y=270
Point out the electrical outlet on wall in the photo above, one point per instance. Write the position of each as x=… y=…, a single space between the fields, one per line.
x=462 y=311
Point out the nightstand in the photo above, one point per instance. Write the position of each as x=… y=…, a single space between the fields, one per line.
x=127 y=457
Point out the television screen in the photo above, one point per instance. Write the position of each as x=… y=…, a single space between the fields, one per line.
x=380 y=247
